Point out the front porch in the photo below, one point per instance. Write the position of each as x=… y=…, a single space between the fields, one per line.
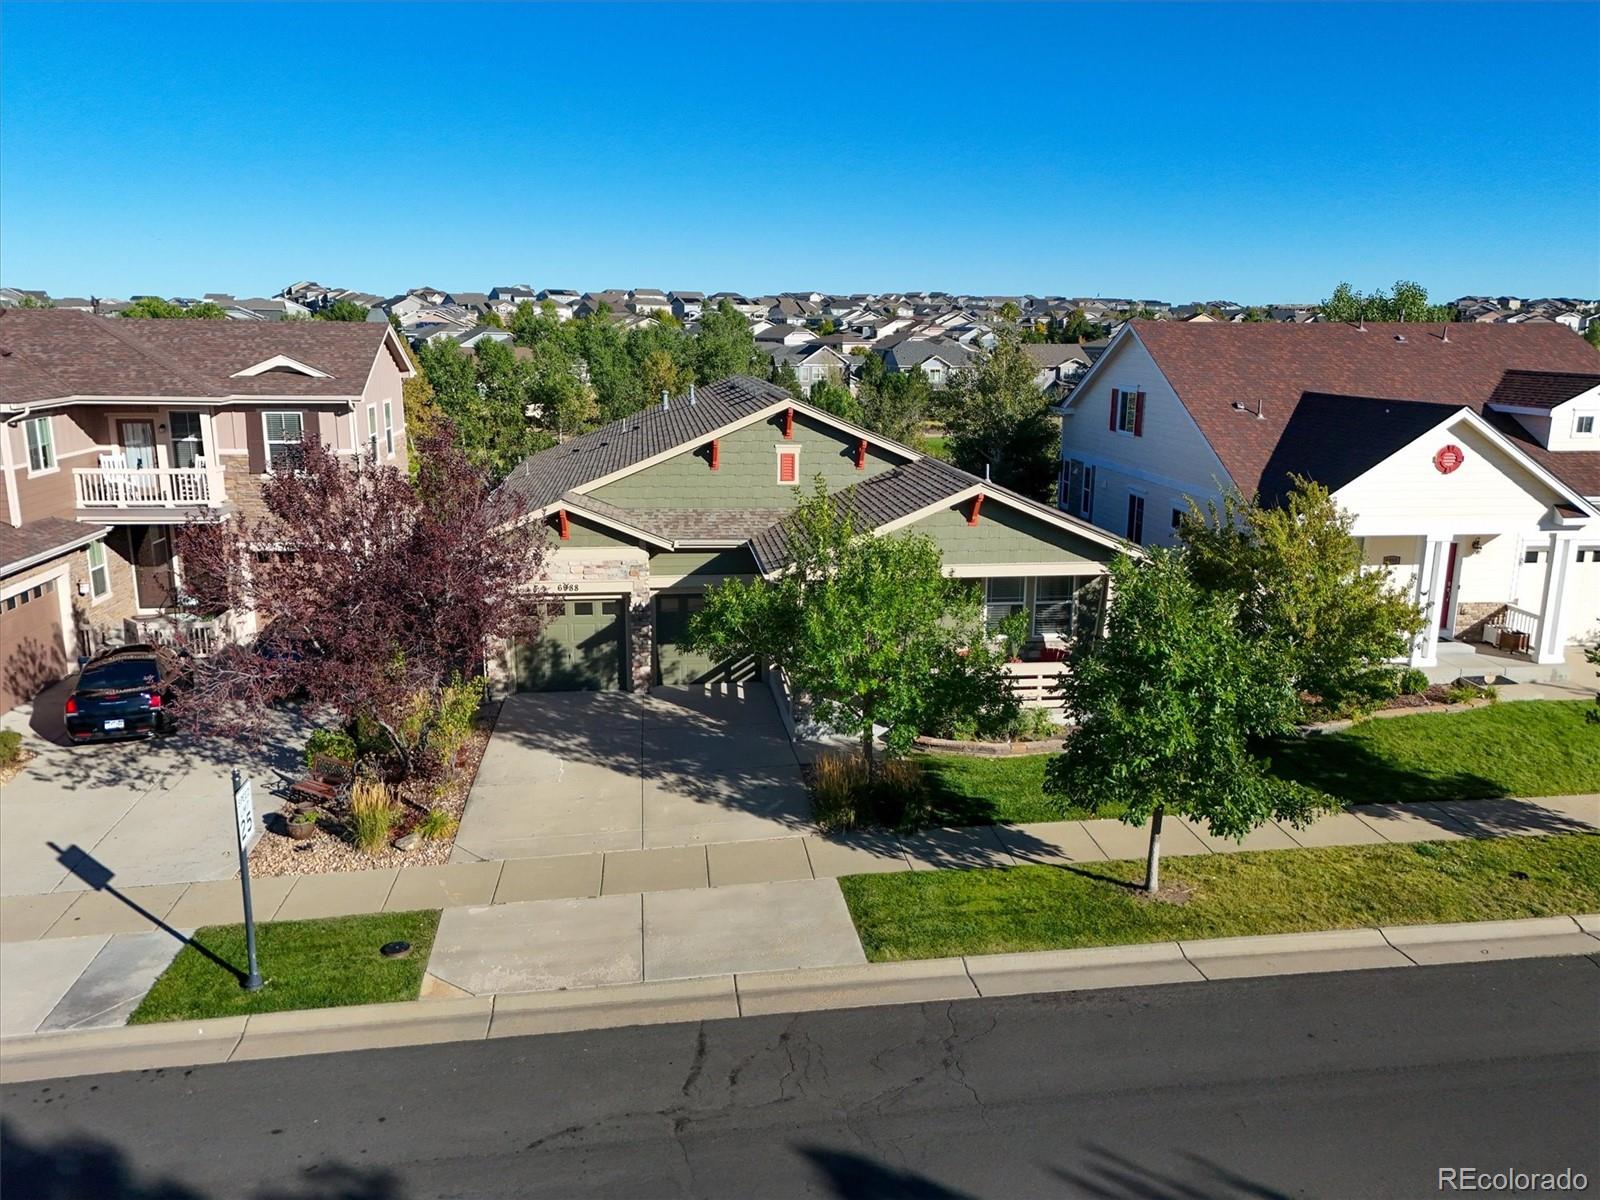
x=1481 y=661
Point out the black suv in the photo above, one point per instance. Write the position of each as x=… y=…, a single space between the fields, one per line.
x=124 y=693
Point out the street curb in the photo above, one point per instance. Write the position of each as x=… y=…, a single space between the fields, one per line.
x=315 y=1031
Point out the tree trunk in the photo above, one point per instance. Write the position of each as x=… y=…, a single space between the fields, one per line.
x=866 y=751
x=1152 y=865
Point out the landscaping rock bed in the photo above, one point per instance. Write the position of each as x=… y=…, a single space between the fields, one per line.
x=326 y=851
x=1412 y=706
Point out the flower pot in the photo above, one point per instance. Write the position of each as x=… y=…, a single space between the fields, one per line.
x=301 y=831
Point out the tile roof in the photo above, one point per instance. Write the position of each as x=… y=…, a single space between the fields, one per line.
x=26 y=544
x=543 y=478
x=1211 y=366
x=1541 y=389
x=49 y=354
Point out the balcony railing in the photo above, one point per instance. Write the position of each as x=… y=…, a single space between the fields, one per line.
x=146 y=487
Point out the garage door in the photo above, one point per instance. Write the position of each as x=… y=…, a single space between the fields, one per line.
x=675 y=662
x=30 y=641
x=578 y=651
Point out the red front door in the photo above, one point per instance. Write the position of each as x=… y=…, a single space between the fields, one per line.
x=1449 y=588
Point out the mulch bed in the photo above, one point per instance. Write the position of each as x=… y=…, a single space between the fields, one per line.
x=276 y=853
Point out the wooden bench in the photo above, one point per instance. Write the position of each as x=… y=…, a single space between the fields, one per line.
x=328 y=781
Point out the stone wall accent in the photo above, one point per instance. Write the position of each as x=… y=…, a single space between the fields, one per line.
x=241 y=487
x=97 y=625
x=1471 y=616
x=641 y=642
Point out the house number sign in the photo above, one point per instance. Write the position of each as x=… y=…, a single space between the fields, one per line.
x=1448 y=458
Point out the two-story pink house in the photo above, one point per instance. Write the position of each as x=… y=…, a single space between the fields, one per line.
x=113 y=432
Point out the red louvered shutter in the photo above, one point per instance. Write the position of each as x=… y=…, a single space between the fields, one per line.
x=1114 y=410
x=1138 y=414
x=787 y=468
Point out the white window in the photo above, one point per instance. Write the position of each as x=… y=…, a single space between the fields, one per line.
x=41 y=446
x=99 y=571
x=388 y=428
x=188 y=443
x=1128 y=414
x=1177 y=519
x=1086 y=504
x=1052 y=605
x=1136 y=519
x=1002 y=598
x=286 y=434
x=372 y=431
x=788 y=464
x=1583 y=424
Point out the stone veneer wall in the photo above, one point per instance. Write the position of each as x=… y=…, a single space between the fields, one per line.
x=102 y=622
x=1471 y=616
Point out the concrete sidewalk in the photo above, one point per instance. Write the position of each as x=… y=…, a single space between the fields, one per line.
x=775 y=860
x=740 y=994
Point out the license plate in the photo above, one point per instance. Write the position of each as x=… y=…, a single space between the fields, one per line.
x=114 y=723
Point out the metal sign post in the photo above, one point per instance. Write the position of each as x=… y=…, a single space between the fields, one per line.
x=244 y=812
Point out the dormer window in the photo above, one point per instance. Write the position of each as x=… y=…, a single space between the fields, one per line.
x=280 y=364
x=1583 y=425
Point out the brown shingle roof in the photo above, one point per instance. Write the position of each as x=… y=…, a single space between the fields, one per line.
x=48 y=354
x=1541 y=389
x=1213 y=365
x=24 y=545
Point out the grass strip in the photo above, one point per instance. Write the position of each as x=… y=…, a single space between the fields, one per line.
x=937 y=914
x=322 y=963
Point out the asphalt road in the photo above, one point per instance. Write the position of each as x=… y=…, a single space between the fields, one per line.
x=1353 y=1085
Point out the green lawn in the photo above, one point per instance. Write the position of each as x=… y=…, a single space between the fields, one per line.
x=972 y=790
x=936 y=914
x=1526 y=748
x=306 y=964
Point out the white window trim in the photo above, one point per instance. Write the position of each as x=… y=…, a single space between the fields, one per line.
x=388 y=428
x=1144 y=511
x=782 y=450
x=48 y=425
x=1127 y=411
x=1086 y=499
x=1594 y=424
x=1038 y=602
x=267 y=442
x=105 y=566
x=372 y=430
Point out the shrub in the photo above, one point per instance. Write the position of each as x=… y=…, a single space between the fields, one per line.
x=372 y=814
x=1411 y=682
x=437 y=825
x=844 y=795
x=334 y=743
x=10 y=747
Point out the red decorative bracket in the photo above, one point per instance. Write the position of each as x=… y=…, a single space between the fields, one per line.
x=977 y=506
x=861 y=455
x=566 y=530
x=788 y=424
x=716 y=453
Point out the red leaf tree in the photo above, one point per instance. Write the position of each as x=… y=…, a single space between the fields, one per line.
x=372 y=591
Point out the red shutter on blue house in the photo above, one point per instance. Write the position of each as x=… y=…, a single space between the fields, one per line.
x=1113 y=410
x=1138 y=414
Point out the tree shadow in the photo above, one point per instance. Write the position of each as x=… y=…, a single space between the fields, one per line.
x=81 y=1167
x=1107 y=1175
x=857 y=1177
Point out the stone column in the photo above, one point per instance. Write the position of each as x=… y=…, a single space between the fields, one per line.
x=641 y=639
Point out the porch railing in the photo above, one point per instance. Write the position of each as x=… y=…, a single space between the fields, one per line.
x=200 y=636
x=1035 y=684
x=145 y=487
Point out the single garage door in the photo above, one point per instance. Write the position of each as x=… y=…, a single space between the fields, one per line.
x=675 y=662
x=578 y=651
x=31 y=658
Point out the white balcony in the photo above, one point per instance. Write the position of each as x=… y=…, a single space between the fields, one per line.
x=103 y=488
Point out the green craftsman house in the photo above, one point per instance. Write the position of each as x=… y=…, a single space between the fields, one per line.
x=648 y=512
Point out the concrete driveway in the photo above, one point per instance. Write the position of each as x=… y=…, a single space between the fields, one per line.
x=575 y=772
x=147 y=812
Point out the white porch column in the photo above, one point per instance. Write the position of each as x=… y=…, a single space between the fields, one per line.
x=1430 y=596
x=1550 y=635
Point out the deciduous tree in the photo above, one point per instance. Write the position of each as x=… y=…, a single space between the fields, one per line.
x=999 y=424
x=1167 y=708
x=154 y=307
x=869 y=629
x=725 y=346
x=342 y=310
x=374 y=590
x=1297 y=578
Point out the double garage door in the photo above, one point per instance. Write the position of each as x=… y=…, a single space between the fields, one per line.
x=584 y=648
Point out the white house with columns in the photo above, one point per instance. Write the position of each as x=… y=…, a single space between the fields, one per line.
x=1468 y=455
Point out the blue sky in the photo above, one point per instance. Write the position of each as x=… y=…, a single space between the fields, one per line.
x=1179 y=151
